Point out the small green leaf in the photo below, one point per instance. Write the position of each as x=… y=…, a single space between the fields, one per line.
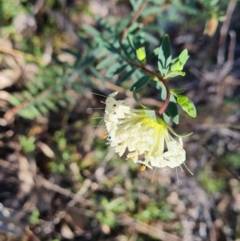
x=149 y=38
x=97 y=74
x=50 y=104
x=29 y=113
x=187 y=105
x=136 y=4
x=125 y=76
x=160 y=86
x=182 y=99
x=42 y=108
x=151 y=114
x=128 y=50
x=183 y=57
x=136 y=98
x=106 y=62
x=172 y=110
x=174 y=74
x=120 y=69
x=113 y=70
x=164 y=56
x=178 y=63
x=141 y=54
x=14 y=100
x=91 y=30
x=177 y=92
x=141 y=82
x=166 y=118
x=112 y=48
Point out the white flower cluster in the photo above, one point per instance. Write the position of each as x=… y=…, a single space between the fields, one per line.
x=144 y=138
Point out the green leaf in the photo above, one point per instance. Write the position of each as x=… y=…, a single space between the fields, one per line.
x=133 y=27
x=187 y=105
x=104 y=24
x=141 y=82
x=14 y=100
x=87 y=61
x=125 y=76
x=112 y=48
x=137 y=75
x=141 y=54
x=128 y=50
x=97 y=74
x=111 y=70
x=136 y=98
x=50 y=105
x=151 y=114
x=149 y=38
x=160 y=86
x=176 y=92
x=106 y=62
x=166 y=118
x=178 y=64
x=164 y=56
x=78 y=87
x=182 y=99
x=30 y=112
x=172 y=110
x=174 y=74
x=120 y=69
x=136 y=4
x=90 y=30
x=183 y=57
x=43 y=109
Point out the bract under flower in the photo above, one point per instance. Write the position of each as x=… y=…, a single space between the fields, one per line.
x=145 y=138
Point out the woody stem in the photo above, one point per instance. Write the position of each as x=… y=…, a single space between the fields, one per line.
x=160 y=78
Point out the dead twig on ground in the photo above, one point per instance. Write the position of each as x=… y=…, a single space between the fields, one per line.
x=224 y=31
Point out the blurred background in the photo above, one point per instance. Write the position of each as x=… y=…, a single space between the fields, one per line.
x=58 y=178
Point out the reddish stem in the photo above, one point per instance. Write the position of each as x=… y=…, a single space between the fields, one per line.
x=160 y=78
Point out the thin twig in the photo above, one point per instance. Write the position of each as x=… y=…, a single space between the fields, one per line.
x=224 y=30
x=232 y=45
x=134 y=18
x=147 y=229
x=51 y=186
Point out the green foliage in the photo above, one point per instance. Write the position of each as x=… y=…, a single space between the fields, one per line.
x=212 y=185
x=164 y=56
x=34 y=217
x=116 y=50
x=141 y=83
x=9 y=11
x=187 y=105
x=141 y=54
x=27 y=143
x=172 y=111
x=156 y=211
x=232 y=160
x=65 y=153
x=177 y=65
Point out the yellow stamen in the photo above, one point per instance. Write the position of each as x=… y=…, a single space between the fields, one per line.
x=105 y=135
x=143 y=168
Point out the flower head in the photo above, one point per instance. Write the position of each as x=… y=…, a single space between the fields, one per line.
x=145 y=136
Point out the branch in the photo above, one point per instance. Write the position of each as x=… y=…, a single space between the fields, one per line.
x=134 y=18
x=160 y=78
